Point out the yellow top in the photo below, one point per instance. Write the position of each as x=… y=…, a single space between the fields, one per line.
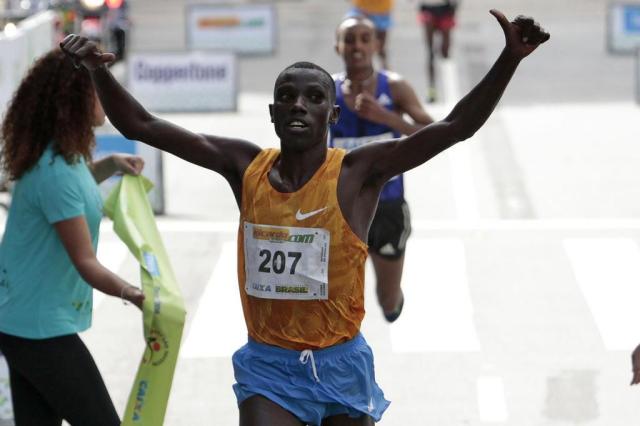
x=278 y=227
x=374 y=7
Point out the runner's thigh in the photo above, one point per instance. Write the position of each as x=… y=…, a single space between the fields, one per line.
x=260 y=411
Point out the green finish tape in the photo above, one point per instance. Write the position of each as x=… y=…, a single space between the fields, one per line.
x=163 y=309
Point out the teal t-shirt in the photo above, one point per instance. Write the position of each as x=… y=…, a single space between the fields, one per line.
x=41 y=293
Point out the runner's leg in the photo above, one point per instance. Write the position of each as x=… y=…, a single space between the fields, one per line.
x=260 y=411
x=388 y=280
x=345 y=420
x=429 y=31
x=446 y=42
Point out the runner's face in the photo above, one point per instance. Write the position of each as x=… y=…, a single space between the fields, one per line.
x=356 y=43
x=302 y=108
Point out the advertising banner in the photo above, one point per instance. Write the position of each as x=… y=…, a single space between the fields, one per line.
x=163 y=310
x=184 y=82
x=623 y=27
x=245 y=29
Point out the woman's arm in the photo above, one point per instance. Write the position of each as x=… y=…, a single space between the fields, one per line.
x=106 y=167
x=75 y=237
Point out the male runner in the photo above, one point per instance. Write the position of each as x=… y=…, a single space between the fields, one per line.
x=305 y=214
x=372 y=104
x=438 y=18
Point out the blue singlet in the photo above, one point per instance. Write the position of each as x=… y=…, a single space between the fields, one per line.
x=352 y=131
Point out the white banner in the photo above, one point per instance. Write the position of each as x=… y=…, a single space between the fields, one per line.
x=184 y=82
x=241 y=28
x=623 y=25
x=33 y=37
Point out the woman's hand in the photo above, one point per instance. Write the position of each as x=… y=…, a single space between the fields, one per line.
x=133 y=295
x=127 y=164
x=116 y=164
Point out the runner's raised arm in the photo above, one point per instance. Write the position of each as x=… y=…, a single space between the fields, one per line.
x=227 y=156
x=385 y=160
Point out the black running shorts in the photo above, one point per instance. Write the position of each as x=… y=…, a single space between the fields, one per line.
x=390 y=229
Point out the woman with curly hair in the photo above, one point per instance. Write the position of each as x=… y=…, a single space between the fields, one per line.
x=48 y=264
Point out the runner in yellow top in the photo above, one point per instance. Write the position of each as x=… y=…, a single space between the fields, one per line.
x=378 y=7
x=379 y=12
x=309 y=224
x=305 y=212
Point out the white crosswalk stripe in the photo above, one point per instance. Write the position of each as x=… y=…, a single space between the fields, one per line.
x=218 y=329
x=492 y=405
x=438 y=314
x=608 y=272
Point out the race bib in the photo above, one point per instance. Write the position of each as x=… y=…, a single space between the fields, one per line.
x=355 y=142
x=286 y=262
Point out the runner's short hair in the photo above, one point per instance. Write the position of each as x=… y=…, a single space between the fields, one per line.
x=355 y=16
x=312 y=66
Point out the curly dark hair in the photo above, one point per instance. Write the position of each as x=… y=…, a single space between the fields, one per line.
x=53 y=104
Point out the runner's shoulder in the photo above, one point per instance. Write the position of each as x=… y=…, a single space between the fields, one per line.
x=398 y=85
x=392 y=76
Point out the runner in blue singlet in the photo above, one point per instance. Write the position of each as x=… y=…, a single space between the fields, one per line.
x=372 y=106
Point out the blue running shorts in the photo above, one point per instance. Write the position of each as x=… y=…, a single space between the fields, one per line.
x=311 y=384
x=382 y=22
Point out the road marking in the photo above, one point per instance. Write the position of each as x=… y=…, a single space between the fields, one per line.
x=112 y=255
x=492 y=405
x=217 y=329
x=464 y=190
x=608 y=273
x=450 y=83
x=438 y=314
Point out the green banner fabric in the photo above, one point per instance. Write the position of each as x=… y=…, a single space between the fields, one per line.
x=163 y=309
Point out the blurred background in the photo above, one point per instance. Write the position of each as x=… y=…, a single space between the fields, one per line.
x=522 y=275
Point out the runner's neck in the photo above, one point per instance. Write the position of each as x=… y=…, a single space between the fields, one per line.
x=360 y=80
x=291 y=171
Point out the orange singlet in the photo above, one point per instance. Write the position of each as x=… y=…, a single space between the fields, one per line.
x=300 y=266
x=375 y=7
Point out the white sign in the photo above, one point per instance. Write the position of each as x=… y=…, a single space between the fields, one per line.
x=624 y=27
x=638 y=76
x=184 y=82
x=242 y=28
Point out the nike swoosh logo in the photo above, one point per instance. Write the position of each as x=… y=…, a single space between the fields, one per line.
x=303 y=216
